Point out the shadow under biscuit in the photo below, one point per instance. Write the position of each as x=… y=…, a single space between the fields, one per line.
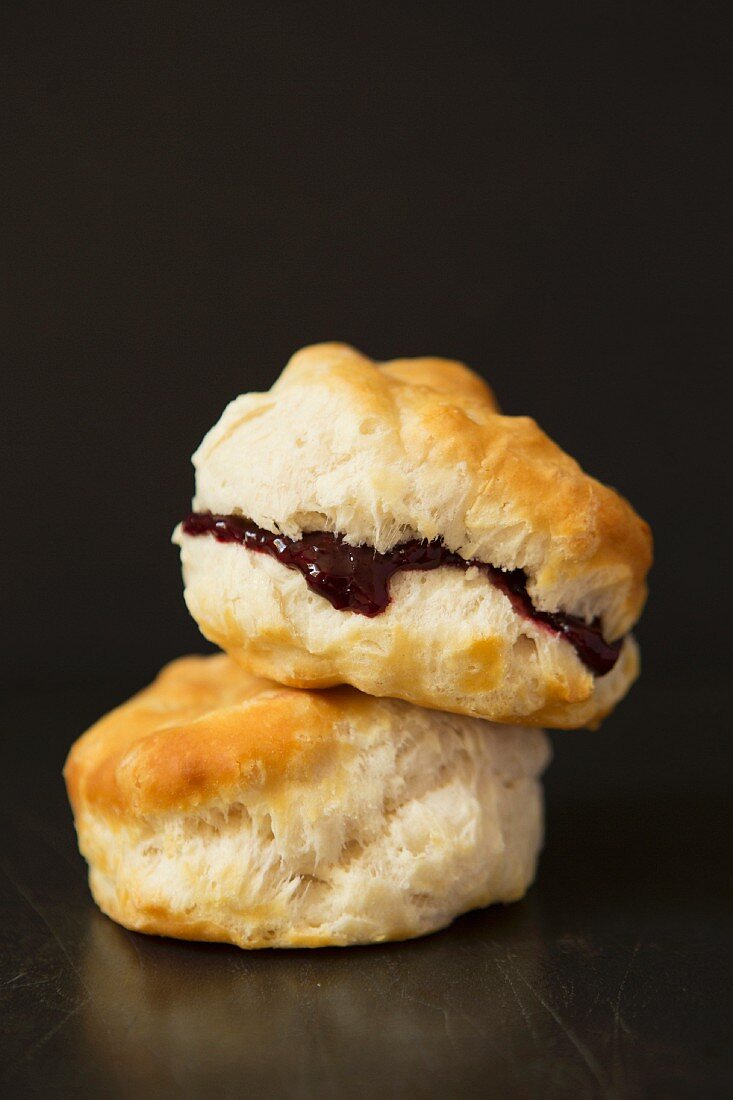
x=385 y=1017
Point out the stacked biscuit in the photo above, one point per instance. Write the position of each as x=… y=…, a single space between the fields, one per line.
x=406 y=585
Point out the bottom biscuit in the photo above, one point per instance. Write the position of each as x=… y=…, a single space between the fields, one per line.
x=216 y=806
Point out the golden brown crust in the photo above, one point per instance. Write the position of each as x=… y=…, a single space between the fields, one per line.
x=200 y=729
x=445 y=376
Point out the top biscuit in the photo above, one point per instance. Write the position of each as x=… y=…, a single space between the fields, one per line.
x=416 y=449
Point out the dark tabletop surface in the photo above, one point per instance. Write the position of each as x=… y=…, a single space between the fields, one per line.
x=612 y=978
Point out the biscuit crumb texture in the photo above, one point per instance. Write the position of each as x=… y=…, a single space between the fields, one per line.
x=215 y=806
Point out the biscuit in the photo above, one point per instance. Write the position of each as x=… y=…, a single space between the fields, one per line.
x=536 y=572
x=215 y=806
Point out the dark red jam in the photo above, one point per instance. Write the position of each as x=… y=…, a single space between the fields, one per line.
x=356 y=578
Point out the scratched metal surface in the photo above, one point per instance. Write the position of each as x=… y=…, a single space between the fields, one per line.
x=612 y=978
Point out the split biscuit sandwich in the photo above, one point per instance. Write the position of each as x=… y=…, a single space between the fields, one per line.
x=406 y=584
x=216 y=806
x=384 y=526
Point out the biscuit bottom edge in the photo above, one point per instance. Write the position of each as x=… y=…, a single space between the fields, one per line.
x=181 y=927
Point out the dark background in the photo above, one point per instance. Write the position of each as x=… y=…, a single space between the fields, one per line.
x=197 y=190
x=191 y=191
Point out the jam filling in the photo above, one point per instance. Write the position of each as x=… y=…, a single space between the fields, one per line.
x=356 y=578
